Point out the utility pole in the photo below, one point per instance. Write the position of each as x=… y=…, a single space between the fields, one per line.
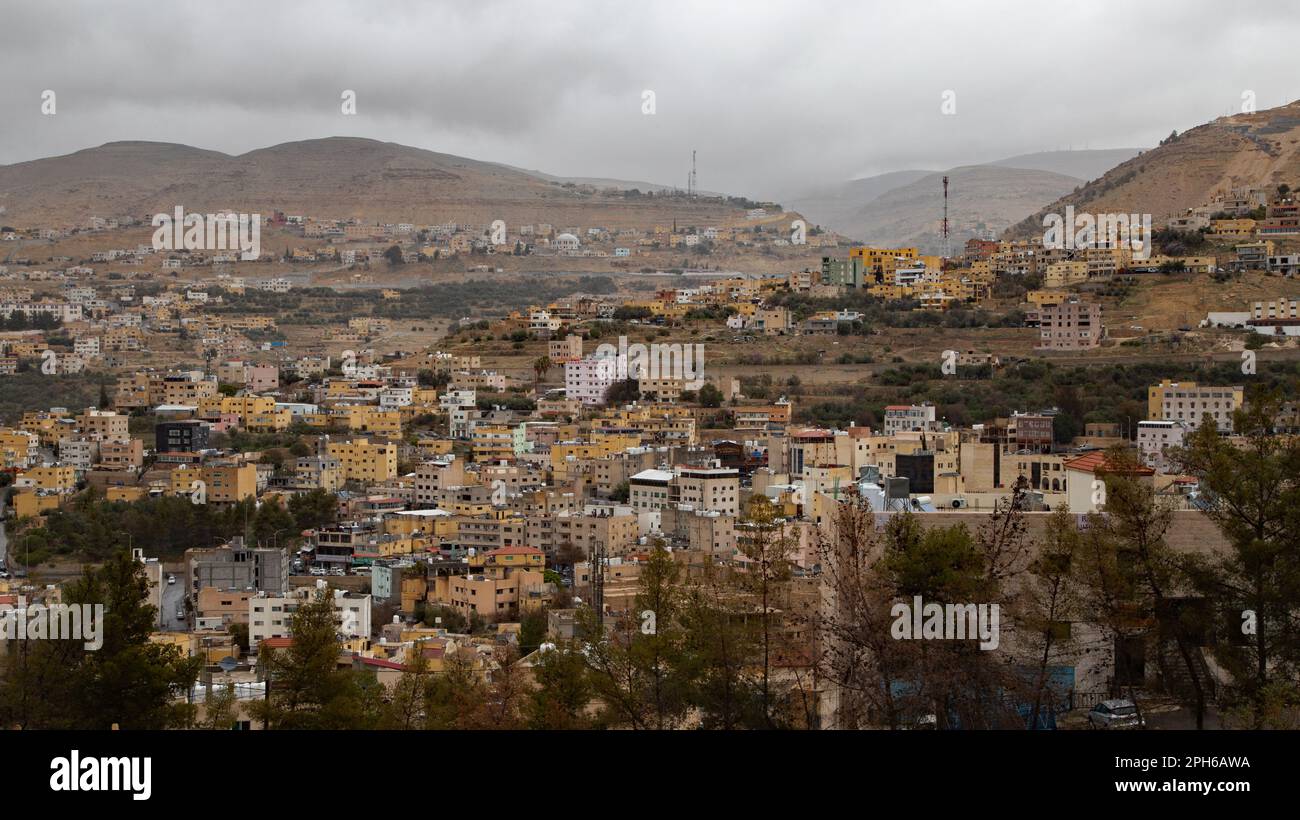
x=947 y=251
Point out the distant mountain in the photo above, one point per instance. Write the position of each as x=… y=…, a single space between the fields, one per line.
x=982 y=199
x=1082 y=164
x=905 y=207
x=836 y=206
x=1257 y=150
x=336 y=177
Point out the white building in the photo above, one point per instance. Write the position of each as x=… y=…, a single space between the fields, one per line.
x=566 y=242
x=587 y=379
x=1156 y=438
x=269 y=615
x=902 y=418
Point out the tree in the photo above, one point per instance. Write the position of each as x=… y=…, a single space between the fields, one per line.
x=1252 y=494
x=541 y=366
x=710 y=396
x=532 y=630
x=638 y=671
x=393 y=255
x=1150 y=574
x=720 y=647
x=563 y=690
x=621 y=493
x=763 y=540
x=313 y=509
x=128 y=681
x=1049 y=604
x=406 y=700
x=221 y=707
x=622 y=392
x=307 y=689
x=455 y=697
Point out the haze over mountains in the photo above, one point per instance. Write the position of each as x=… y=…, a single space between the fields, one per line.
x=342 y=177
x=1259 y=150
x=905 y=208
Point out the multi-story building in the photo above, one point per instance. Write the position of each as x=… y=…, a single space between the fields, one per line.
x=237 y=566
x=270 y=616
x=908 y=417
x=1071 y=324
x=1156 y=438
x=589 y=378
x=500 y=583
x=189 y=436
x=1189 y=403
x=363 y=461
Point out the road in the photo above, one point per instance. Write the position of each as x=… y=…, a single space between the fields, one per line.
x=173 y=598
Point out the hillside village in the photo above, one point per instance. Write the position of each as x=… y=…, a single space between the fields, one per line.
x=456 y=509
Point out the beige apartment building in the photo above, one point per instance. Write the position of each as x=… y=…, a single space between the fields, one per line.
x=1070 y=325
x=1190 y=402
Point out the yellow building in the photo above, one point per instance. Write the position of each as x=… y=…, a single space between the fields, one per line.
x=222 y=483
x=363 y=461
x=28 y=504
x=254 y=412
x=367 y=419
x=17 y=447
x=50 y=479
x=1232 y=228
x=1064 y=274
x=123 y=493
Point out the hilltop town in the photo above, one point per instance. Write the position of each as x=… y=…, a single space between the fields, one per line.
x=464 y=477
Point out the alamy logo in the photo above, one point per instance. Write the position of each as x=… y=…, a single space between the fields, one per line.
x=75 y=773
x=83 y=622
x=209 y=232
x=946 y=622
x=656 y=361
x=1083 y=231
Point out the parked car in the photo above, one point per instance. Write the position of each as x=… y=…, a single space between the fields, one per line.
x=1115 y=714
x=180 y=614
x=318 y=571
x=171 y=579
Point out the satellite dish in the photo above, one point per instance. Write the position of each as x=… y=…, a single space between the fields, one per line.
x=228 y=664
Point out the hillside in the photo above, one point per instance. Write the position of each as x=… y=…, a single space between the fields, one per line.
x=1260 y=149
x=337 y=177
x=836 y=206
x=1087 y=164
x=980 y=198
x=987 y=200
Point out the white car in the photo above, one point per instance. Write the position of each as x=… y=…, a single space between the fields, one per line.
x=171 y=579
x=1115 y=714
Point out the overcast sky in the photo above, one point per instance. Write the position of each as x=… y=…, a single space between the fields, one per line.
x=777 y=97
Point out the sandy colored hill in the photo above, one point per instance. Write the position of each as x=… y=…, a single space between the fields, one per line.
x=337 y=177
x=980 y=198
x=1260 y=149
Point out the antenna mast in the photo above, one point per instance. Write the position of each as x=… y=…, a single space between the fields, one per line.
x=947 y=251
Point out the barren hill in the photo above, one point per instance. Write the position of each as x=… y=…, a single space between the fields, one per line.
x=905 y=207
x=337 y=177
x=1260 y=149
x=980 y=198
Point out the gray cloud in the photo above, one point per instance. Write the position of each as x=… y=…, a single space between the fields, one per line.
x=776 y=97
